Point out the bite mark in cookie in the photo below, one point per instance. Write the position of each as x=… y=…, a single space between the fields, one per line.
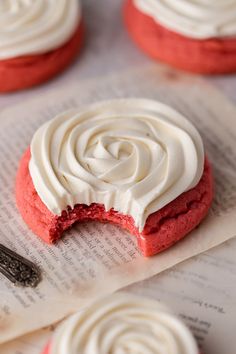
x=165 y=198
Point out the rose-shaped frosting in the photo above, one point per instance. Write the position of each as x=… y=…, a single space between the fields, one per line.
x=124 y=323
x=198 y=19
x=133 y=155
x=36 y=26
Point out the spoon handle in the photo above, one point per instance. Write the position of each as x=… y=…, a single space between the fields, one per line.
x=17 y=269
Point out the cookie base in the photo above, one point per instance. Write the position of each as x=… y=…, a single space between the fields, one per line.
x=24 y=72
x=211 y=56
x=46 y=349
x=163 y=228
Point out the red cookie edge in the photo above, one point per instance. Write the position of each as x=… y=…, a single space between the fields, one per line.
x=27 y=71
x=163 y=228
x=210 y=56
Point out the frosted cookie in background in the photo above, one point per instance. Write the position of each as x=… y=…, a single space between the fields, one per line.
x=136 y=163
x=197 y=36
x=38 y=39
x=123 y=323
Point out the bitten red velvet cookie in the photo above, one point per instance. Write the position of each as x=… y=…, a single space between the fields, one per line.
x=191 y=36
x=123 y=323
x=38 y=39
x=136 y=163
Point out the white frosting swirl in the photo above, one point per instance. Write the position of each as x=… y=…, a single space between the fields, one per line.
x=200 y=19
x=36 y=26
x=124 y=323
x=133 y=155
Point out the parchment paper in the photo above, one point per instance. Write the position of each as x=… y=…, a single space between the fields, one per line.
x=201 y=291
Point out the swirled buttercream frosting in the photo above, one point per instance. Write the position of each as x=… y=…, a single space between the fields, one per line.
x=133 y=155
x=124 y=323
x=36 y=26
x=200 y=19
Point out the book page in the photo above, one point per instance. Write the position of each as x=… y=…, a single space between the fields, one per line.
x=94 y=259
x=201 y=291
x=33 y=343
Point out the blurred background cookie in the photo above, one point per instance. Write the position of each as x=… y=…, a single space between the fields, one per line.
x=123 y=323
x=38 y=39
x=195 y=36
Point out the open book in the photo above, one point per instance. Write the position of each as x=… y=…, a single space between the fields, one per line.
x=93 y=259
x=201 y=291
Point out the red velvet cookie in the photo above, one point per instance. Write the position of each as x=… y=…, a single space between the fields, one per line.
x=103 y=326
x=162 y=228
x=24 y=72
x=37 y=42
x=207 y=56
